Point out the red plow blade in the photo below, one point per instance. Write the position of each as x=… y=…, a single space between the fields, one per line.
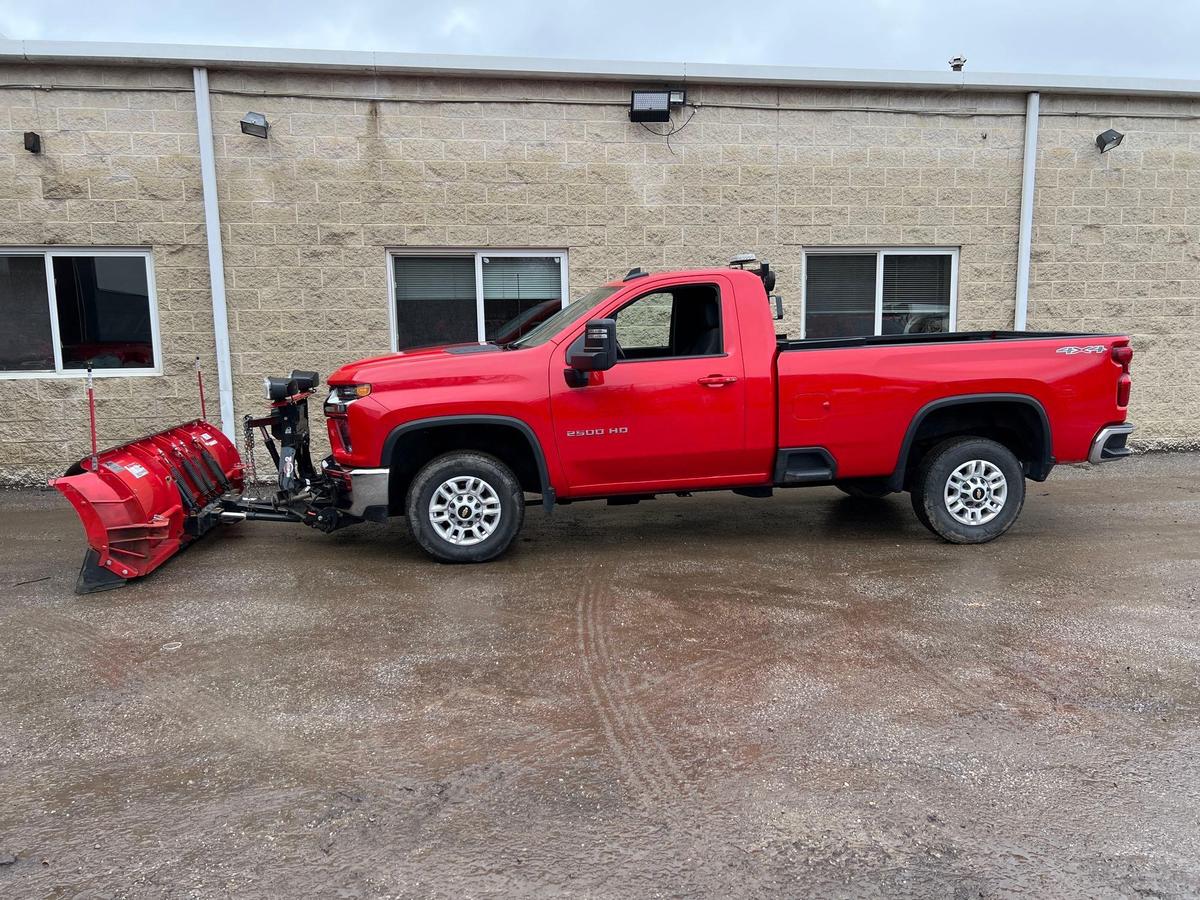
x=143 y=502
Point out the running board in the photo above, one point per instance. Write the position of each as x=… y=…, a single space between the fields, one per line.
x=804 y=465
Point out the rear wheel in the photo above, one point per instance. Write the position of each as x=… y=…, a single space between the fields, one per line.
x=969 y=490
x=465 y=507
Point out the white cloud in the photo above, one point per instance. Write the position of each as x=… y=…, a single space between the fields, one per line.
x=18 y=24
x=458 y=22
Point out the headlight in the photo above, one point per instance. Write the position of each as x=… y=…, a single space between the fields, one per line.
x=347 y=392
x=343 y=394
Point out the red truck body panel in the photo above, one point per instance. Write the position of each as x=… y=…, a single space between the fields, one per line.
x=859 y=402
x=658 y=425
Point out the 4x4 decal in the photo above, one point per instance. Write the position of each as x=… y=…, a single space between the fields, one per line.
x=1091 y=348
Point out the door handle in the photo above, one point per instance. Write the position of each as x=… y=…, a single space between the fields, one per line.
x=716 y=380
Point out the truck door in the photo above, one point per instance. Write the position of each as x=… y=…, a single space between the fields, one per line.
x=671 y=412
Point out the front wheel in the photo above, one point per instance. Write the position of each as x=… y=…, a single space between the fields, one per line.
x=969 y=490
x=465 y=507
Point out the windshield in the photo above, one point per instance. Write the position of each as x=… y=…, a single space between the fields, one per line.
x=572 y=312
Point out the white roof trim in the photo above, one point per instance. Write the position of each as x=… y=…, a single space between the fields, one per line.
x=102 y=53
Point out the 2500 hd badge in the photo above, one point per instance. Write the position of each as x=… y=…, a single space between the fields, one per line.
x=596 y=432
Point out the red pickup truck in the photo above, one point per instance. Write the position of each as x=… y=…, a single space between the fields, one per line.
x=672 y=383
x=677 y=382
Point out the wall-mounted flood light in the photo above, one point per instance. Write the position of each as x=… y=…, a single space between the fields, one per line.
x=1106 y=140
x=650 y=106
x=33 y=142
x=255 y=124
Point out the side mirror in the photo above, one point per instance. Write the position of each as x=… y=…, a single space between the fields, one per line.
x=596 y=351
x=778 y=311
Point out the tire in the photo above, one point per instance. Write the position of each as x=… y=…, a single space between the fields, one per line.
x=863 y=489
x=968 y=490
x=465 y=507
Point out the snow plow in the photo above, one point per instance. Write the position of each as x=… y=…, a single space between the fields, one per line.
x=144 y=501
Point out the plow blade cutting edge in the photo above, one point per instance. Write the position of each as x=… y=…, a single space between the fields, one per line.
x=143 y=502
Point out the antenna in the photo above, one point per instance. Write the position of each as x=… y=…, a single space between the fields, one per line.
x=91 y=395
x=200 y=384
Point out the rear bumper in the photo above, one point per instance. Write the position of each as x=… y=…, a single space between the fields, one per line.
x=362 y=493
x=1110 y=443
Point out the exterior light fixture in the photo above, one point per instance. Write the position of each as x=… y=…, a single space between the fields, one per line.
x=650 y=106
x=33 y=142
x=255 y=124
x=957 y=63
x=1106 y=140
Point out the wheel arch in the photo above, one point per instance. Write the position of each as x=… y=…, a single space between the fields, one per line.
x=965 y=415
x=411 y=445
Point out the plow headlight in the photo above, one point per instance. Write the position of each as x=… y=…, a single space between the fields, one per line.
x=280 y=387
x=276 y=388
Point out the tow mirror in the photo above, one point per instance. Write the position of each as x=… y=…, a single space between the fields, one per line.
x=777 y=300
x=596 y=350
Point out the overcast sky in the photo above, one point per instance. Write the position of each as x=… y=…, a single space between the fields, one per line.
x=1131 y=37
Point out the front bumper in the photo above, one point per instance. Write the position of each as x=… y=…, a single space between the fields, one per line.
x=362 y=493
x=1110 y=443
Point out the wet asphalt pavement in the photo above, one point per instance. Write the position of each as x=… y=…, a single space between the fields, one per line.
x=804 y=696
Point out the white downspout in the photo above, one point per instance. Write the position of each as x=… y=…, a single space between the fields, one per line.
x=216 y=257
x=1025 y=234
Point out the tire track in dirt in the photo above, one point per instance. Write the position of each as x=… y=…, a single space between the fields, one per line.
x=601 y=699
x=642 y=756
x=636 y=710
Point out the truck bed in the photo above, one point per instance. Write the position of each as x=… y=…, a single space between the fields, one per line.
x=858 y=401
x=785 y=344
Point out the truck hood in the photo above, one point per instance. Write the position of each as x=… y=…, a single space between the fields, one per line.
x=403 y=364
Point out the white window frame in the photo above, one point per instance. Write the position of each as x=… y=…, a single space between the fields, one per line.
x=479 y=257
x=880 y=253
x=49 y=254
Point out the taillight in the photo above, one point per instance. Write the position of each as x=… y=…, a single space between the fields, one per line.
x=1123 y=356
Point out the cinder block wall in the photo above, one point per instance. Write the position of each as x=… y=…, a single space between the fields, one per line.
x=1117 y=245
x=119 y=168
x=356 y=165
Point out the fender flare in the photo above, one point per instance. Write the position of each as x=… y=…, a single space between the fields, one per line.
x=389 y=444
x=1039 y=468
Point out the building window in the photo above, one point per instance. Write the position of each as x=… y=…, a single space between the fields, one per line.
x=484 y=295
x=849 y=293
x=435 y=300
x=64 y=310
